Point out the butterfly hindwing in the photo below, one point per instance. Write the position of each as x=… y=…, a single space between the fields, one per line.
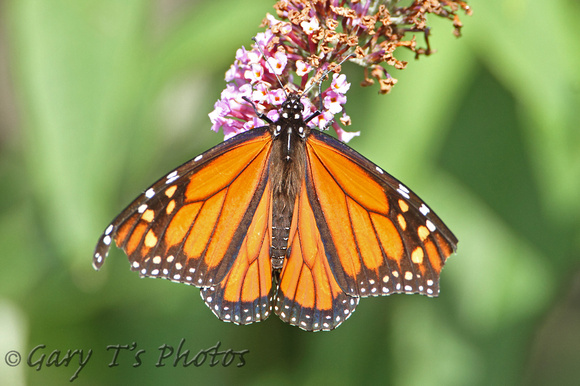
x=245 y=294
x=309 y=296
x=379 y=236
x=177 y=228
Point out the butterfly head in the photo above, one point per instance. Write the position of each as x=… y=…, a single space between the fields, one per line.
x=291 y=119
x=292 y=108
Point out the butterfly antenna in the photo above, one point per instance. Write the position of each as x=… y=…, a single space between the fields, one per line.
x=269 y=65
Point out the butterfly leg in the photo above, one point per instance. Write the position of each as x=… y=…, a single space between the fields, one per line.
x=262 y=116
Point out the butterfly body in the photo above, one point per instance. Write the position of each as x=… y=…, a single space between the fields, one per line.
x=287 y=219
x=286 y=169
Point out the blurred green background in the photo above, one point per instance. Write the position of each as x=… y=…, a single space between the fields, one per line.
x=99 y=98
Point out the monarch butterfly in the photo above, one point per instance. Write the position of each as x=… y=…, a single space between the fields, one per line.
x=283 y=217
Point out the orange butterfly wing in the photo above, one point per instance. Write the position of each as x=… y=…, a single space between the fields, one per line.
x=362 y=225
x=244 y=296
x=206 y=224
x=309 y=296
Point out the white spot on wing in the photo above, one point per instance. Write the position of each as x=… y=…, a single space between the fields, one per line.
x=431 y=226
x=149 y=193
x=403 y=191
x=380 y=170
x=198 y=158
x=109 y=230
x=424 y=209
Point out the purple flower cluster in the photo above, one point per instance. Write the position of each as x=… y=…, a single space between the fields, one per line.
x=253 y=75
x=307 y=39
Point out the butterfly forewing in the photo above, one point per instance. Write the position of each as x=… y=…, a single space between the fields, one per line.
x=380 y=237
x=177 y=228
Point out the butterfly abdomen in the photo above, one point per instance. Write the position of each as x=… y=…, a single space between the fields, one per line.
x=285 y=178
x=281 y=221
